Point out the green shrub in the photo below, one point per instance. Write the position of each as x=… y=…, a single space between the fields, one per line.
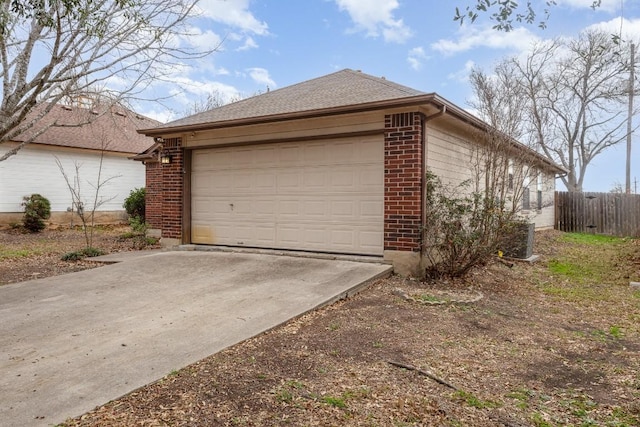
x=72 y=256
x=138 y=225
x=37 y=209
x=135 y=203
x=462 y=229
x=82 y=253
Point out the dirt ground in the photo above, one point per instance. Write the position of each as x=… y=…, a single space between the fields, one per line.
x=553 y=343
x=25 y=256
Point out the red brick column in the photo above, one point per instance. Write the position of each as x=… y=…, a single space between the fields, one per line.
x=403 y=171
x=172 y=188
x=153 y=194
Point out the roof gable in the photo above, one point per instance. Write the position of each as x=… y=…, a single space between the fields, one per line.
x=111 y=128
x=342 y=88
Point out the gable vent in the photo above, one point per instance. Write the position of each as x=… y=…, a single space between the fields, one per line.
x=402 y=120
x=172 y=142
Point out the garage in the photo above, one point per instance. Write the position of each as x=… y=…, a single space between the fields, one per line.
x=320 y=195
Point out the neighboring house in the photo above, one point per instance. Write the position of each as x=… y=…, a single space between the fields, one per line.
x=108 y=134
x=334 y=164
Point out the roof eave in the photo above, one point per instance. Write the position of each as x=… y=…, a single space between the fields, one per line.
x=355 y=108
x=73 y=147
x=427 y=98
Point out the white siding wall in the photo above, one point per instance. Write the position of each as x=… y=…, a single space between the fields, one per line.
x=546 y=217
x=448 y=156
x=34 y=170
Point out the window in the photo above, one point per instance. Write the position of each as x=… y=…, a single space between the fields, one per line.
x=539 y=190
x=526 y=204
x=526 y=196
x=510 y=182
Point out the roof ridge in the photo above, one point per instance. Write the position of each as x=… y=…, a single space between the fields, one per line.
x=384 y=81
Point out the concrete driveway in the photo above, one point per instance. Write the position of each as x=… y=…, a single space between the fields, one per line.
x=73 y=342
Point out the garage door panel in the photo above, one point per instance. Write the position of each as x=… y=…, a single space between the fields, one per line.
x=265 y=181
x=265 y=156
x=288 y=181
x=371 y=209
x=343 y=238
x=290 y=154
x=221 y=160
x=370 y=178
x=265 y=235
x=343 y=179
x=215 y=180
x=200 y=182
x=369 y=152
x=199 y=205
x=242 y=157
x=288 y=235
x=202 y=233
x=289 y=208
x=314 y=236
x=371 y=240
x=265 y=208
x=315 y=154
x=311 y=196
x=315 y=178
x=215 y=207
x=341 y=209
x=315 y=209
x=343 y=153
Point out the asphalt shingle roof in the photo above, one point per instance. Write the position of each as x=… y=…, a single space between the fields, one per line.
x=113 y=130
x=342 y=88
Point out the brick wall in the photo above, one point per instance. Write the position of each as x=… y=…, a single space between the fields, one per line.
x=403 y=171
x=172 y=187
x=153 y=194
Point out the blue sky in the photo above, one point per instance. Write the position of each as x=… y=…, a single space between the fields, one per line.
x=271 y=44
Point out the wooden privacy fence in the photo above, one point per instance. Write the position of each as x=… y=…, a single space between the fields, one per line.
x=598 y=213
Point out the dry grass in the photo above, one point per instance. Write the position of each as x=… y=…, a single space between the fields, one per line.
x=25 y=255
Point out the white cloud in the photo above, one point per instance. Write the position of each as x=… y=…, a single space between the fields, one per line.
x=249 y=43
x=375 y=18
x=630 y=28
x=186 y=87
x=180 y=92
x=203 y=40
x=416 y=57
x=234 y=13
x=261 y=76
x=462 y=75
x=163 y=116
x=473 y=36
x=610 y=6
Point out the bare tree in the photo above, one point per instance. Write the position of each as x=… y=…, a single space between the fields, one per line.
x=208 y=102
x=100 y=50
x=571 y=95
x=84 y=207
x=85 y=204
x=504 y=165
x=617 y=188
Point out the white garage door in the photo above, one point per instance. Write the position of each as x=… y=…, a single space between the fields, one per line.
x=316 y=195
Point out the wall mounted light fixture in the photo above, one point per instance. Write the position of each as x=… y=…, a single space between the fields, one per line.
x=165 y=158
